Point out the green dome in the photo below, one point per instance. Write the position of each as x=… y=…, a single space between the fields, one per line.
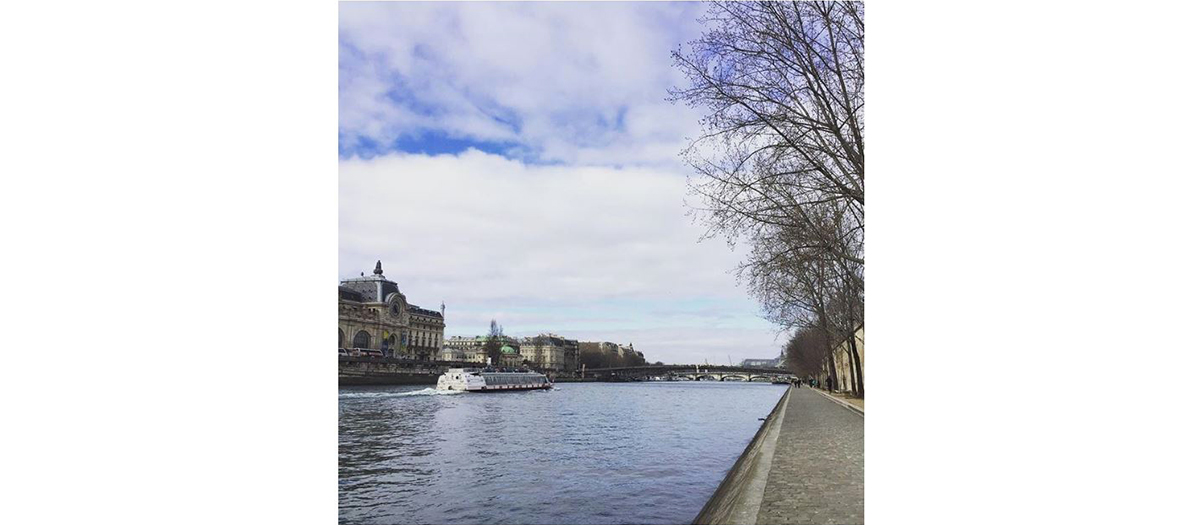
x=507 y=350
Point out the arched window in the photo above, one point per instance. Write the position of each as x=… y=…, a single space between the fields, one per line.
x=361 y=339
x=340 y=339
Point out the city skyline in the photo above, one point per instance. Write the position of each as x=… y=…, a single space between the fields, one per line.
x=524 y=167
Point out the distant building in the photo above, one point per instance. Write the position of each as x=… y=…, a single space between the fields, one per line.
x=607 y=347
x=607 y=354
x=450 y=353
x=763 y=363
x=551 y=352
x=374 y=314
x=473 y=349
x=469 y=349
x=510 y=356
x=426 y=332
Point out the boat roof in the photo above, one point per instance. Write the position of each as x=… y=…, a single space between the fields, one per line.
x=486 y=371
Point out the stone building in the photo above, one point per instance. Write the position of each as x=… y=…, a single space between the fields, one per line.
x=604 y=347
x=473 y=349
x=450 y=353
x=468 y=349
x=844 y=365
x=510 y=356
x=374 y=314
x=426 y=332
x=608 y=348
x=551 y=352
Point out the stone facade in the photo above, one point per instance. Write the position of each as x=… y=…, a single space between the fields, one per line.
x=374 y=314
x=843 y=358
x=471 y=349
x=607 y=347
x=426 y=332
x=551 y=352
x=510 y=356
x=449 y=353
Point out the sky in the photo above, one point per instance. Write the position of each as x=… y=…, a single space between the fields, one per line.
x=520 y=161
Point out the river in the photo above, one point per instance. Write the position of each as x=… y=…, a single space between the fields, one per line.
x=583 y=453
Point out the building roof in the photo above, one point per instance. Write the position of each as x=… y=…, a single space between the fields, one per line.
x=373 y=288
x=458 y=338
x=415 y=309
x=350 y=295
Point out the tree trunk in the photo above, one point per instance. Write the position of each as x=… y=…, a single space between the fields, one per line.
x=832 y=380
x=860 y=380
x=851 y=375
x=823 y=321
x=829 y=350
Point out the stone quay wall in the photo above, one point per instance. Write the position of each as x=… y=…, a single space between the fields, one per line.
x=738 y=497
x=357 y=371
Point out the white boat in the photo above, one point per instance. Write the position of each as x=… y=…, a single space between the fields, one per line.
x=491 y=379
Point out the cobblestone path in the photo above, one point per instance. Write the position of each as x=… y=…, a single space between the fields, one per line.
x=817 y=475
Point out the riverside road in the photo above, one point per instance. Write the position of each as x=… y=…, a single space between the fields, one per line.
x=804 y=466
x=817 y=474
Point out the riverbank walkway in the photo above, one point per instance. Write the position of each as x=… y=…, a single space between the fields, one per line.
x=806 y=466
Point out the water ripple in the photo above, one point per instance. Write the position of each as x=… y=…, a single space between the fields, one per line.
x=592 y=453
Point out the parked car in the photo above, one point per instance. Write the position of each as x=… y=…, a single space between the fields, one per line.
x=366 y=352
x=343 y=352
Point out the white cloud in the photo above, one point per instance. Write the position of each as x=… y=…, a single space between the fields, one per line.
x=574 y=249
x=582 y=230
x=575 y=83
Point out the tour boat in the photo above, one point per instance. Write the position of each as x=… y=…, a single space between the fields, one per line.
x=490 y=379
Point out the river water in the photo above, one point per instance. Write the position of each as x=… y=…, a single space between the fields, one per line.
x=582 y=453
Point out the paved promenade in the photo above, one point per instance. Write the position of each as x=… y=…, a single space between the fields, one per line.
x=805 y=466
x=817 y=474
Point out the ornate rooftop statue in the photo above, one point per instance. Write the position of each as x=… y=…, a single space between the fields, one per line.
x=377 y=270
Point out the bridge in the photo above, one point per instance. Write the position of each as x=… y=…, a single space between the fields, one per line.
x=692 y=372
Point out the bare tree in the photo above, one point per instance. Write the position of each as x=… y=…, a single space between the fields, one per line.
x=848 y=315
x=806 y=352
x=780 y=162
x=494 y=341
x=783 y=83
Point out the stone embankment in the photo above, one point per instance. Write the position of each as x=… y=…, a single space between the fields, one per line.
x=363 y=371
x=804 y=466
x=356 y=371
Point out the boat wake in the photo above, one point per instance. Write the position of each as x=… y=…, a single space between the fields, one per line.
x=423 y=392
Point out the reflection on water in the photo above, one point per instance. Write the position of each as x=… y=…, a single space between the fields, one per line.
x=581 y=453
